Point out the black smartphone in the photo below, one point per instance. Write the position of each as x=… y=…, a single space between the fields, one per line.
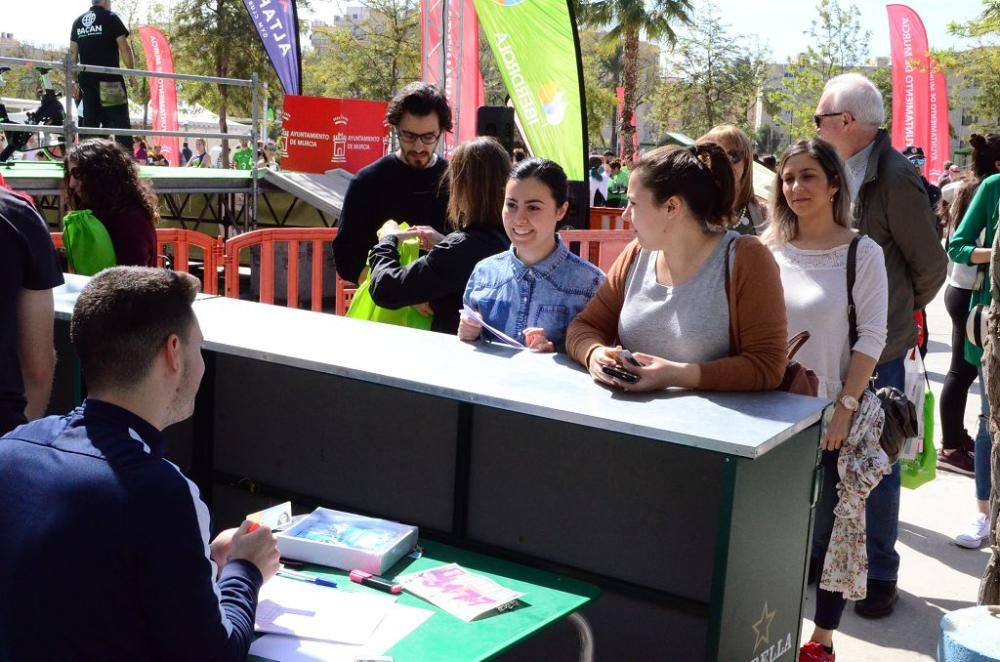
x=620 y=373
x=628 y=358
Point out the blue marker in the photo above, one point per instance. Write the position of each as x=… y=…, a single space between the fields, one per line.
x=304 y=577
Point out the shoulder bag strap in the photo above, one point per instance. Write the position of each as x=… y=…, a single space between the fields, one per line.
x=852 y=314
x=726 y=277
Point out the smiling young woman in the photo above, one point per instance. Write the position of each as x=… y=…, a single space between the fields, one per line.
x=810 y=237
x=534 y=290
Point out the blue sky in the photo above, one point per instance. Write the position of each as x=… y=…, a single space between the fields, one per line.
x=780 y=24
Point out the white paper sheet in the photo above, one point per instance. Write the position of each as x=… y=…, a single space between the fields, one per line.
x=291 y=607
x=469 y=313
x=398 y=623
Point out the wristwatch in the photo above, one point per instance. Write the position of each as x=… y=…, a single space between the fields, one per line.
x=850 y=404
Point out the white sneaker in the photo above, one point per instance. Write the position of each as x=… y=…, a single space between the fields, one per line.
x=978 y=531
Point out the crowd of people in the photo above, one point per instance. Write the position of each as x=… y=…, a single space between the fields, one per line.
x=705 y=297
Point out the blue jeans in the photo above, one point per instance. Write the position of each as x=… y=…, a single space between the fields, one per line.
x=983 y=443
x=882 y=510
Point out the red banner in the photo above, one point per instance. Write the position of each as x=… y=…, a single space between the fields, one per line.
x=450 y=60
x=472 y=89
x=940 y=135
x=322 y=134
x=162 y=91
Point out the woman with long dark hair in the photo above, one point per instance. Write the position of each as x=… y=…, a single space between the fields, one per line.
x=535 y=289
x=104 y=178
x=810 y=237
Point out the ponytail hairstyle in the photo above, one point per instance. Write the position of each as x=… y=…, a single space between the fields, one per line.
x=701 y=174
x=547 y=172
x=985 y=154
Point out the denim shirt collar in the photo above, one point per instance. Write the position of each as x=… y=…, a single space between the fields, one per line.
x=545 y=267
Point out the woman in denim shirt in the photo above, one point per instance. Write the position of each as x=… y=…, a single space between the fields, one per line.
x=535 y=289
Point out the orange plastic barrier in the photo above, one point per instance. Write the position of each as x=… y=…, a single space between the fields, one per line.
x=212 y=250
x=266 y=240
x=345 y=294
x=608 y=218
x=600 y=247
x=181 y=241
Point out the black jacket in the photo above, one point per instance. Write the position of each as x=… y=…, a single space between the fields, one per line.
x=438 y=277
x=387 y=190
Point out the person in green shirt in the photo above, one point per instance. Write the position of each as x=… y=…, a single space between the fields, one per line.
x=617 y=184
x=243 y=156
x=963 y=247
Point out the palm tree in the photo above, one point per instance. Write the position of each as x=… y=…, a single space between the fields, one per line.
x=627 y=20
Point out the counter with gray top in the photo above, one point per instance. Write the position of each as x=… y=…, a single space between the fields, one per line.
x=691 y=510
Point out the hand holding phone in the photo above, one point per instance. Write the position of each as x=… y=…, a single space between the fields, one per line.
x=621 y=373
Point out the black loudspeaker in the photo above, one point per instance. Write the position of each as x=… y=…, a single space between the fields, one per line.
x=497 y=122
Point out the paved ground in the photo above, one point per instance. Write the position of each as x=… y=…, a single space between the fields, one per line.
x=935 y=575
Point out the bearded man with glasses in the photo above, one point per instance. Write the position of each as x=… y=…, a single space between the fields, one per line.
x=405 y=186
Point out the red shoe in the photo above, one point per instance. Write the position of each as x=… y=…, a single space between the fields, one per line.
x=813 y=651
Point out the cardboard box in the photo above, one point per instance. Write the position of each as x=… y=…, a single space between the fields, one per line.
x=346 y=541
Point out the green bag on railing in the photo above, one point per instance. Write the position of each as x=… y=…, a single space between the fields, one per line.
x=88 y=244
x=364 y=308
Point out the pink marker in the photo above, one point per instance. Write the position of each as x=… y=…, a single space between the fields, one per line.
x=374 y=581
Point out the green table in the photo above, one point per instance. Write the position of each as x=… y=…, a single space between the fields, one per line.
x=547 y=598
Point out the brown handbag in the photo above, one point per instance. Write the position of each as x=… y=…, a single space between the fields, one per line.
x=798 y=378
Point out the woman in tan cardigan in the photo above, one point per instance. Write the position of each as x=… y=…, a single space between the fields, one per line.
x=698 y=306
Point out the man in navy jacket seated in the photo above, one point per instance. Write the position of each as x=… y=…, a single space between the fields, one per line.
x=104 y=553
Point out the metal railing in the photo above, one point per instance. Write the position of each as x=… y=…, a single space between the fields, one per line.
x=71 y=128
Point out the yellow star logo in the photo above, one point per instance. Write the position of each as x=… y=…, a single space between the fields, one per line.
x=762 y=628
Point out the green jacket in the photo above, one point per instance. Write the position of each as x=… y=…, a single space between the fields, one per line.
x=981 y=214
x=892 y=208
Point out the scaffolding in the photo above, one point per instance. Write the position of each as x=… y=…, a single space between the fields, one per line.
x=71 y=130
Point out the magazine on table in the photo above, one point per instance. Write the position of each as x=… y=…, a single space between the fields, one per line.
x=459 y=592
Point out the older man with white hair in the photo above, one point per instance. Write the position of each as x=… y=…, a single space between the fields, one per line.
x=889 y=205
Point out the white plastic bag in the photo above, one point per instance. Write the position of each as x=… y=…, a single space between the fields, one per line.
x=915 y=389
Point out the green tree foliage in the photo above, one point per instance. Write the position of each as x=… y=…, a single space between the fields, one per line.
x=23 y=82
x=217 y=38
x=627 y=20
x=603 y=71
x=714 y=78
x=369 y=59
x=838 y=45
x=977 y=69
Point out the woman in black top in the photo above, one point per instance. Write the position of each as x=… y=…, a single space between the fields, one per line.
x=477 y=173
